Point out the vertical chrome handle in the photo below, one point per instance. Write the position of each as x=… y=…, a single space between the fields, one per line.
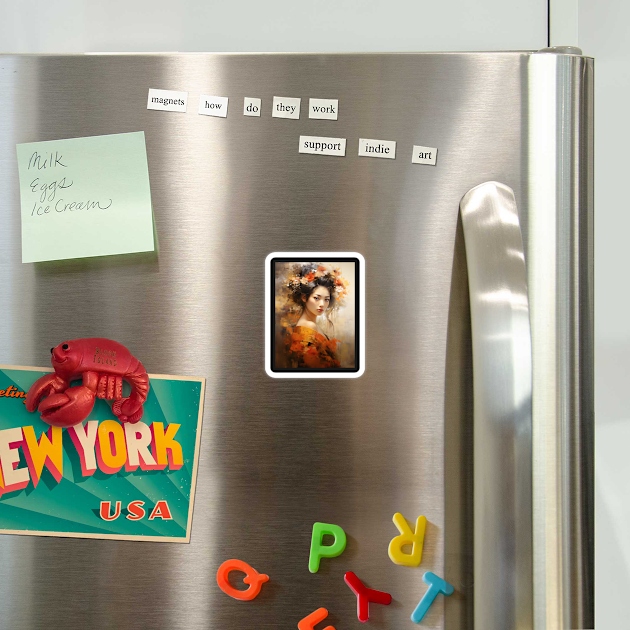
x=502 y=374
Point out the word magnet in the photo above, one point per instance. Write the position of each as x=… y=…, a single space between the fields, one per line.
x=252 y=577
x=285 y=107
x=167 y=100
x=407 y=537
x=213 y=106
x=323 y=108
x=322 y=146
x=377 y=148
x=251 y=106
x=319 y=550
x=424 y=155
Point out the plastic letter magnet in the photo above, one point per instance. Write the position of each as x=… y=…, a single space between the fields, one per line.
x=319 y=551
x=308 y=623
x=436 y=586
x=365 y=596
x=407 y=537
x=252 y=577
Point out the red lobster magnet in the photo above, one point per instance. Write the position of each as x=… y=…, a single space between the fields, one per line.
x=102 y=364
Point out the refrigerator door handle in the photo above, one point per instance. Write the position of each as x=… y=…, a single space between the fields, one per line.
x=502 y=374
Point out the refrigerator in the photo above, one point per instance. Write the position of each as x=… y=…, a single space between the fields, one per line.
x=470 y=396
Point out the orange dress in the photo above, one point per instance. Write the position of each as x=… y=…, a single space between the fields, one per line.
x=306 y=348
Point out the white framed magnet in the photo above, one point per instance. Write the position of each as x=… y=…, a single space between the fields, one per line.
x=315 y=315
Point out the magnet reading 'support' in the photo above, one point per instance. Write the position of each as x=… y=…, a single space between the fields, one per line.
x=102 y=364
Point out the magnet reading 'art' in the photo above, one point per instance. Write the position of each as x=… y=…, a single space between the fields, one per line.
x=102 y=364
x=407 y=537
x=252 y=577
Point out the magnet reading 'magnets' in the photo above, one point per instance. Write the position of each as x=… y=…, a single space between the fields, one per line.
x=102 y=364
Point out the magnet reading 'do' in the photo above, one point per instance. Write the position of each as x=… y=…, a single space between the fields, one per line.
x=102 y=364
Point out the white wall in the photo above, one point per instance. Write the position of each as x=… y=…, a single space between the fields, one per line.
x=36 y=26
x=603 y=27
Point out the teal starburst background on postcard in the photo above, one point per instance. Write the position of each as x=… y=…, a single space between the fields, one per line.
x=72 y=505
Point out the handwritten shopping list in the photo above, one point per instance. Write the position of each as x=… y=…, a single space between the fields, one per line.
x=85 y=197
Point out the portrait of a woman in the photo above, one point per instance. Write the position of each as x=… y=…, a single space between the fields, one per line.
x=314 y=327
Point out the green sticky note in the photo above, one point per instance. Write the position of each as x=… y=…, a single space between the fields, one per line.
x=85 y=197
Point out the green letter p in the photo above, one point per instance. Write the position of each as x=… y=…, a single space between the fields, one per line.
x=319 y=551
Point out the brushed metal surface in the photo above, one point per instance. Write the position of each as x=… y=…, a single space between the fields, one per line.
x=227 y=192
x=502 y=371
x=560 y=273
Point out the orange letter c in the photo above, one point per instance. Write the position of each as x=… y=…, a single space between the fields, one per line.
x=252 y=577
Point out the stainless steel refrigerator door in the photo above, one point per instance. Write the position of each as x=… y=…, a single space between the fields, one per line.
x=277 y=454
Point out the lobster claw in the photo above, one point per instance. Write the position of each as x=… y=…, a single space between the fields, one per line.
x=68 y=408
x=127 y=410
x=43 y=386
